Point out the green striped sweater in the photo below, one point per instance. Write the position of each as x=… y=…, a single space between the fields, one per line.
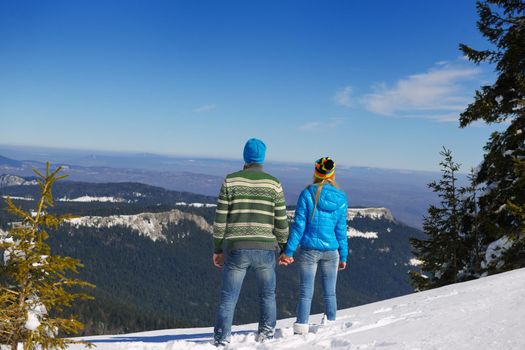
x=251 y=212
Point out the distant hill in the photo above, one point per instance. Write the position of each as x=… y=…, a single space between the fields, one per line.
x=9 y=163
x=120 y=192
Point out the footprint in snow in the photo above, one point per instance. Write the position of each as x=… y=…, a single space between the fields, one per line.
x=383 y=310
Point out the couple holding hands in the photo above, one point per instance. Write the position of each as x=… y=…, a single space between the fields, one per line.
x=251 y=223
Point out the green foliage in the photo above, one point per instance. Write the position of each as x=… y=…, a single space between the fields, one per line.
x=502 y=22
x=36 y=284
x=517 y=252
x=443 y=253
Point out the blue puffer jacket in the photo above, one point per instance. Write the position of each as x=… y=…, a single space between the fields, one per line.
x=327 y=229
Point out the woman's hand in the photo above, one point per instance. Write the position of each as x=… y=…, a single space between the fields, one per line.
x=342 y=266
x=285 y=260
x=218 y=260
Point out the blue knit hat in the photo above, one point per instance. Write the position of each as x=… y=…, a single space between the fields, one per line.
x=254 y=151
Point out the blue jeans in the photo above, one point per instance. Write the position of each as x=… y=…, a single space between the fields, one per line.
x=236 y=263
x=328 y=262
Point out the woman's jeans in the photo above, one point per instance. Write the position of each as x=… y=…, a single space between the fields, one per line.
x=236 y=263
x=328 y=262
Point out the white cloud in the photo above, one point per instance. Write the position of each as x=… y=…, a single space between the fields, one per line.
x=205 y=108
x=327 y=124
x=445 y=117
x=342 y=97
x=438 y=94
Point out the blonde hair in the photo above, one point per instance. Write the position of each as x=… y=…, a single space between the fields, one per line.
x=321 y=182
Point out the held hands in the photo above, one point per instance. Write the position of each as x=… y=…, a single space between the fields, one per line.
x=285 y=260
x=218 y=260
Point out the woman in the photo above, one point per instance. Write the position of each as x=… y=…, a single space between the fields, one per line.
x=320 y=229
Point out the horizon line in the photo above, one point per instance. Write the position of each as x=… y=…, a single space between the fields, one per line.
x=196 y=157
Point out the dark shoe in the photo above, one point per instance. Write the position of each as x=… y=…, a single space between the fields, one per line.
x=220 y=343
x=264 y=336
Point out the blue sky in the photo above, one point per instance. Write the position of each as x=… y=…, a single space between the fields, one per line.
x=371 y=83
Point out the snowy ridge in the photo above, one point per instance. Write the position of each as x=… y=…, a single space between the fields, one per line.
x=484 y=314
x=146 y=224
x=13 y=180
x=371 y=213
x=153 y=224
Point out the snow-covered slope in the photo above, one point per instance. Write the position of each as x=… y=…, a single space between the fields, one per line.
x=479 y=315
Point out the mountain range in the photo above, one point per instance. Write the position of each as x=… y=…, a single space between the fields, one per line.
x=148 y=250
x=404 y=192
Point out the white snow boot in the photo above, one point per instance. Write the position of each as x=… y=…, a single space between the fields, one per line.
x=326 y=322
x=301 y=328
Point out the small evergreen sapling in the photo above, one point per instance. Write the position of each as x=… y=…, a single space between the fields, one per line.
x=35 y=286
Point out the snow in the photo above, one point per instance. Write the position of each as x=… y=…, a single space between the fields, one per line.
x=495 y=252
x=92 y=199
x=32 y=322
x=196 y=205
x=501 y=208
x=147 y=224
x=34 y=314
x=13 y=180
x=372 y=213
x=352 y=213
x=483 y=314
x=415 y=262
x=11 y=249
x=352 y=232
x=19 y=198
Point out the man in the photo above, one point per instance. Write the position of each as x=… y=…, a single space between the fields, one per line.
x=250 y=225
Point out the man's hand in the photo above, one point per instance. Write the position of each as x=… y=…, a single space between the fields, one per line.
x=285 y=260
x=218 y=260
x=342 y=266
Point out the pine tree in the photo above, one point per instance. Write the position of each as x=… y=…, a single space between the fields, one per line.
x=502 y=22
x=35 y=285
x=518 y=250
x=469 y=232
x=443 y=253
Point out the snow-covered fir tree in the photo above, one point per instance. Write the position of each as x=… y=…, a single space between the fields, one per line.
x=34 y=283
x=502 y=22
